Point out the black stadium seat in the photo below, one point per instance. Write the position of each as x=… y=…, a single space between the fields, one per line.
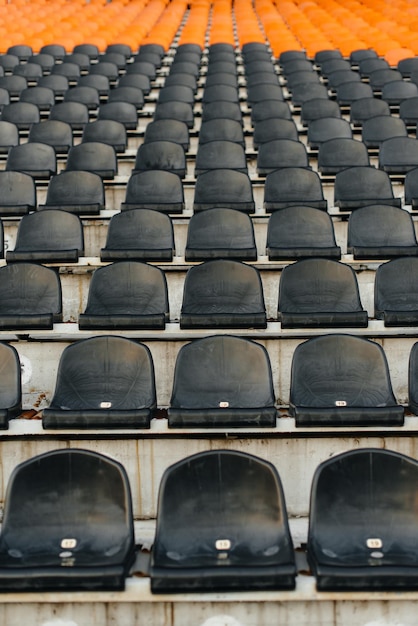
x=223 y=294
x=103 y=382
x=320 y=293
x=221 y=506
x=80 y=535
x=138 y=298
x=362 y=531
x=340 y=380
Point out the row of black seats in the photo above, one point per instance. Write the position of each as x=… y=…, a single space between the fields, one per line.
x=220 y=293
x=374 y=232
x=83 y=192
x=222 y=524
x=108 y=382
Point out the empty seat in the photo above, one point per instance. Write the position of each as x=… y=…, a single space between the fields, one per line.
x=181 y=111
x=142 y=67
x=207 y=508
x=293 y=186
x=281 y=153
x=22 y=51
x=94 y=156
x=379 y=78
x=221 y=130
x=80 y=59
x=231 y=385
x=377 y=129
x=274 y=128
x=78 y=192
x=30 y=297
x=162 y=155
x=395 y=292
x=31 y=71
x=187 y=80
x=220 y=78
x=408 y=111
x=23 y=114
x=359 y=186
x=372 y=64
x=223 y=189
x=176 y=93
x=338 y=154
x=42 y=97
x=223 y=294
x=155 y=189
x=14 y=85
x=139 y=235
x=317 y=108
x=307 y=91
x=105 y=68
x=10 y=385
x=85 y=95
x=220 y=233
x=114 y=57
x=103 y=382
x=216 y=155
x=320 y=293
x=89 y=49
x=381 y=232
x=398 y=155
x=326 y=128
x=8 y=62
x=342 y=380
x=123 y=112
x=129 y=94
x=56 y=50
x=17 y=193
x=4 y=98
x=260 y=92
x=221 y=110
x=48 y=237
x=34 y=158
x=79 y=503
x=397 y=91
x=348 y=93
x=168 y=130
x=109 y=132
x=71 y=71
x=98 y=82
x=44 y=59
x=361 y=54
x=270 y=108
x=53 y=133
x=138 y=298
x=58 y=84
x=365 y=108
x=362 y=531
x=76 y=114
x=299 y=232
x=9 y=136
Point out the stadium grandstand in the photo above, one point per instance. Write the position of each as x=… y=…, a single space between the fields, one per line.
x=208 y=313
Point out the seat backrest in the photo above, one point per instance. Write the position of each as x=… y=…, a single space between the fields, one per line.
x=361 y=513
x=17 y=193
x=221 y=494
x=398 y=154
x=168 y=130
x=396 y=291
x=220 y=233
x=55 y=133
x=293 y=186
x=76 y=191
x=217 y=364
x=337 y=154
x=382 y=226
x=155 y=189
x=10 y=384
x=138 y=289
x=318 y=286
x=28 y=289
x=106 y=131
x=340 y=370
x=280 y=153
x=224 y=188
x=74 y=496
x=301 y=231
x=49 y=233
x=326 y=128
x=359 y=186
x=141 y=234
x=93 y=156
x=273 y=128
x=105 y=371
x=216 y=155
x=161 y=155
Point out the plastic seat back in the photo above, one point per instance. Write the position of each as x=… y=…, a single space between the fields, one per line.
x=396 y=293
x=362 y=531
x=103 y=382
x=223 y=294
x=339 y=380
x=138 y=298
x=76 y=191
x=155 y=189
x=81 y=532
x=221 y=502
x=293 y=186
